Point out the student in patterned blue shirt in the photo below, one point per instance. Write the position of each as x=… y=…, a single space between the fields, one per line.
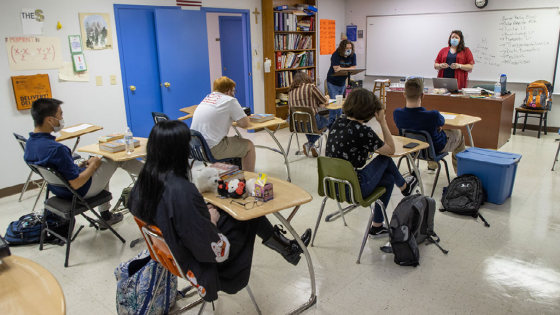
x=352 y=140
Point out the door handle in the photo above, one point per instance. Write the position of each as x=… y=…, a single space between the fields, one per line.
x=132 y=88
x=167 y=84
x=224 y=68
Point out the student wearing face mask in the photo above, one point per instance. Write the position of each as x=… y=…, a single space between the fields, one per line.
x=456 y=60
x=343 y=58
x=88 y=178
x=213 y=118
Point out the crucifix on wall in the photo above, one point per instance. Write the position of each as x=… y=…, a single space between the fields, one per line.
x=256 y=13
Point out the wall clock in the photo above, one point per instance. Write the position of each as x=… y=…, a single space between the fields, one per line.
x=481 y=3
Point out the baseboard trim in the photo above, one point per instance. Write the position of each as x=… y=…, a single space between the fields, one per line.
x=9 y=191
x=536 y=128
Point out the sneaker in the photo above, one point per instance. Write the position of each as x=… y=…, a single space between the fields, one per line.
x=115 y=218
x=377 y=231
x=411 y=183
x=306 y=149
x=431 y=170
x=314 y=151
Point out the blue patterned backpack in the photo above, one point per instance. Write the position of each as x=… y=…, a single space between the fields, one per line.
x=144 y=287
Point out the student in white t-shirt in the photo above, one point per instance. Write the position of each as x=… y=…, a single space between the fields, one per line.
x=213 y=118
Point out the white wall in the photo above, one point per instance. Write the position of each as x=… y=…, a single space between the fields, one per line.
x=329 y=10
x=357 y=10
x=83 y=101
x=214 y=51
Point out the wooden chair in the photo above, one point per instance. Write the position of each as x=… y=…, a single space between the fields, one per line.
x=542 y=114
x=338 y=181
x=302 y=120
x=160 y=252
x=380 y=85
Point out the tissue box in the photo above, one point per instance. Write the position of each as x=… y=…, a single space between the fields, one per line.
x=265 y=193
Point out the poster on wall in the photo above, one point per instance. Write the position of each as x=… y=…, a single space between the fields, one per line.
x=66 y=73
x=351 y=32
x=32 y=21
x=96 y=30
x=28 y=88
x=33 y=53
x=327 y=36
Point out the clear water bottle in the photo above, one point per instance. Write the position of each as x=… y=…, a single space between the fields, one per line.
x=497 y=89
x=129 y=141
x=503 y=82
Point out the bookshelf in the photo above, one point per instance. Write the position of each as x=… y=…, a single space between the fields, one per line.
x=270 y=51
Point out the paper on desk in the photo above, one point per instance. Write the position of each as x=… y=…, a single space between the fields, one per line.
x=447 y=116
x=332 y=101
x=77 y=128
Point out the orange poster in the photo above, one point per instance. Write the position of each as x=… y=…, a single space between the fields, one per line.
x=28 y=88
x=327 y=37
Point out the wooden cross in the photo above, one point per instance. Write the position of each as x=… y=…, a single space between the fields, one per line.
x=256 y=13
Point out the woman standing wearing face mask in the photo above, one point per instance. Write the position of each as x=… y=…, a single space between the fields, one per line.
x=343 y=58
x=456 y=60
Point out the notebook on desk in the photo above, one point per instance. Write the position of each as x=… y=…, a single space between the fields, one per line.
x=446 y=83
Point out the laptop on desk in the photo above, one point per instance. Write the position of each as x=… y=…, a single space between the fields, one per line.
x=446 y=83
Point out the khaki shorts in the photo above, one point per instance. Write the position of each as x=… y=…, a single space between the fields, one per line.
x=231 y=147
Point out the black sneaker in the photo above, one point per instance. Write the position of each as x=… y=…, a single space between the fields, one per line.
x=377 y=231
x=411 y=183
x=115 y=218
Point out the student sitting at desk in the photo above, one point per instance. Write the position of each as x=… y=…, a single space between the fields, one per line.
x=352 y=140
x=213 y=118
x=89 y=178
x=210 y=246
x=304 y=93
x=416 y=117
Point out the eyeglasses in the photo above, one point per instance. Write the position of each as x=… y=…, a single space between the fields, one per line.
x=234 y=92
x=248 y=204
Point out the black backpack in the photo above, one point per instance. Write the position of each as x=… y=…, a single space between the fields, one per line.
x=411 y=224
x=464 y=196
x=27 y=230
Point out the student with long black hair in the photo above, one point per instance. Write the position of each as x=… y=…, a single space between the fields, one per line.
x=206 y=242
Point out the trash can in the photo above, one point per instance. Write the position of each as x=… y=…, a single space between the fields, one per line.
x=496 y=170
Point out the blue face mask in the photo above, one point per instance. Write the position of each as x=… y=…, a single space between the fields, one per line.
x=348 y=52
x=454 y=42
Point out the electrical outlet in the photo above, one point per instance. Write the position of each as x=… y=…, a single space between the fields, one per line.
x=98 y=80
x=113 y=79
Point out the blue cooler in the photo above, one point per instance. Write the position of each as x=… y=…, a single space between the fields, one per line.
x=495 y=169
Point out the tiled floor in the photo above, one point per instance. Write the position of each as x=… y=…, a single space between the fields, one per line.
x=513 y=267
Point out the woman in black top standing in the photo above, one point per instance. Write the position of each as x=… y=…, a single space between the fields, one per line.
x=208 y=244
x=344 y=58
x=352 y=140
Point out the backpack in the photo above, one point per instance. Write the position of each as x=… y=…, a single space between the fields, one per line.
x=27 y=229
x=411 y=224
x=144 y=287
x=537 y=96
x=464 y=196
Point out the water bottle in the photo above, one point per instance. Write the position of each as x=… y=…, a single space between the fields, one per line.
x=128 y=141
x=497 y=89
x=503 y=82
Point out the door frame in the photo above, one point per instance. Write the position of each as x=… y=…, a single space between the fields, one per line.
x=246 y=21
x=122 y=60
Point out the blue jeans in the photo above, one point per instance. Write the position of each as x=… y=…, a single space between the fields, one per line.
x=334 y=90
x=322 y=122
x=381 y=172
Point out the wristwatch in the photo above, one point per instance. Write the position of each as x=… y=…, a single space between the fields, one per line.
x=459 y=66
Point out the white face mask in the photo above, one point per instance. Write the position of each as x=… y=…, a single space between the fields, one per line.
x=348 y=52
x=60 y=125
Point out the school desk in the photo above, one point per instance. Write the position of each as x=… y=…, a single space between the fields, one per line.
x=121 y=156
x=492 y=131
x=286 y=195
x=29 y=288
x=77 y=134
x=190 y=112
x=462 y=120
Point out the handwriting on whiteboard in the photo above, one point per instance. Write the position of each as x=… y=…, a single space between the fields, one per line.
x=31 y=53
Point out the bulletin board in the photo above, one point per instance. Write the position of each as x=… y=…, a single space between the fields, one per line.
x=28 y=88
x=327 y=38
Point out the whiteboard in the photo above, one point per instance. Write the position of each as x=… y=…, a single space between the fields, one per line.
x=523 y=44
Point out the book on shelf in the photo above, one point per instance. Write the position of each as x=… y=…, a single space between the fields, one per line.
x=258 y=118
x=116 y=146
x=292 y=42
x=224 y=169
x=111 y=137
x=292 y=60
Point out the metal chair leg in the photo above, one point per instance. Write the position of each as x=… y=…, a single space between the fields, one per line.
x=525 y=122
x=253 y=299
x=447 y=171
x=399 y=162
x=515 y=122
x=556 y=157
x=341 y=213
x=436 y=179
x=39 y=195
x=25 y=185
x=298 y=146
x=202 y=308
x=545 y=120
x=69 y=239
x=321 y=215
x=289 y=144
x=368 y=226
x=540 y=126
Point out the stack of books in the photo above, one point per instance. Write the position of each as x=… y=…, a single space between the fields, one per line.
x=285 y=78
x=228 y=172
x=305 y=24
x=111 y=137
x=292 y=60
x=258 y=118
x=292 y=42
x=116 y=146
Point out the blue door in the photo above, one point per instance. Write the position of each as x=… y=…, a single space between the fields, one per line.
x=233 y=47
x=182 y=46
x=139 y=65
